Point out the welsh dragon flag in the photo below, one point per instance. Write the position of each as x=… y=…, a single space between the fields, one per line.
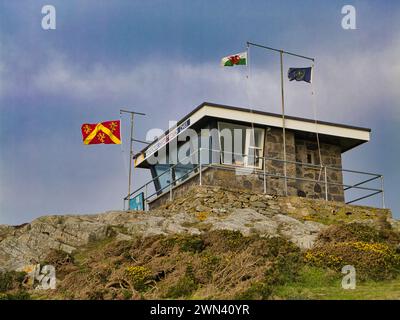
x=234 y=59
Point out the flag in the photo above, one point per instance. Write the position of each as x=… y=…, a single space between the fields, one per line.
x=300 y=74
x=235 y=59
x=107 y=132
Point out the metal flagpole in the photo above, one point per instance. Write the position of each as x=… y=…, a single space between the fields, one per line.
x=132 y=113
x=281 y=53
x=283 y=123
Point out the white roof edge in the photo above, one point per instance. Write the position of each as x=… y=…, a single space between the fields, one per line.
x=270 y=120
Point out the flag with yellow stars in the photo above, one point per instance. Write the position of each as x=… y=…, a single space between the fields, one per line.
x=107 y=132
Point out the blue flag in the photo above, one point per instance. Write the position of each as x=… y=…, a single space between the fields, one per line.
x=300 y=74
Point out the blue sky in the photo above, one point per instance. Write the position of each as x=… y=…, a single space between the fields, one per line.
x=162 y=58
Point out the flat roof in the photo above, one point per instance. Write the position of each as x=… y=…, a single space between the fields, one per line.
x=208 y=109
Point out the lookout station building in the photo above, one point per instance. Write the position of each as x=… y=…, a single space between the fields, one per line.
x=311 y=168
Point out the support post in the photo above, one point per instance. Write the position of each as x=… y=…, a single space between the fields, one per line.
x=326 y=184
x=132 y=113
x=265 y=181
x=145 y=197
x=383 y=194
x=200 y=169
x=130 y=157
x=200 y=183
x=170 y=184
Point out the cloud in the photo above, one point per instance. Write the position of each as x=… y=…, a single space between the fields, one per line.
x=351 y=88
x=356 y=81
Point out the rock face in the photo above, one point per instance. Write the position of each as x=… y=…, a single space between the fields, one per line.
x=202 y=209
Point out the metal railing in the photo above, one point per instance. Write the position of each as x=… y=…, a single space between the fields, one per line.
x=199 y=167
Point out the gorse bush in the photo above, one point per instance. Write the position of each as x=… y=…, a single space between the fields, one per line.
x=138 y=275
x=357 y=232
x=370 y=250
x=375 y=261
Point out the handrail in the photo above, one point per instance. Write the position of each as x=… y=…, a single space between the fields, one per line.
x=188 y=174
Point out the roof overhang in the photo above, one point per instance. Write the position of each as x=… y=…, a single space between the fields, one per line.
x=347 y=136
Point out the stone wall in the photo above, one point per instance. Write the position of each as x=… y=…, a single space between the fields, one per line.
x=219 y=200
x=273 y=148
x=297 y=150
x=331 y=156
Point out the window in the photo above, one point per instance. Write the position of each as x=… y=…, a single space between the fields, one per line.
x=163 y=174
x=241 y=145
x=312 y=158
x=185 y=166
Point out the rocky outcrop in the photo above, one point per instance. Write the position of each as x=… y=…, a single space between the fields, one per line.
x=202 y=209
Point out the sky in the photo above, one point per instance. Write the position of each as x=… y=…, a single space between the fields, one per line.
x=162 y=58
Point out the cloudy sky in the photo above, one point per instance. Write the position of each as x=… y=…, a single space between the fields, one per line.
x=162 y=58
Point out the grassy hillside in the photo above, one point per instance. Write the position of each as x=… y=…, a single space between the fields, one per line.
x=224 y=265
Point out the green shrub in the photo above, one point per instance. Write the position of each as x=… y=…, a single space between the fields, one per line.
x=11 y=280
x=19 y=295
x=256 y=291
x=357 y=232
x=226 y=240
x=186 y=243
x=127 y=294
x=209 y=262
x=284 y=269
x=96 y=295
x=192 y=244
x=183 y=288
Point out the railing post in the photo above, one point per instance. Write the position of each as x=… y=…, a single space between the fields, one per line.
x=265 y=181
x=145 y=197
x=200 y=173
x=383 y=194
x=326 y=184
x=170 y=184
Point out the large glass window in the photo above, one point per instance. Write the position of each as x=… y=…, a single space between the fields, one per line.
x=163 y=174
x=241 y=145
x=185 y=166
x=180 y=172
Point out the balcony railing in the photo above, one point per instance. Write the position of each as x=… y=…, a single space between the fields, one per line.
x=151 y=193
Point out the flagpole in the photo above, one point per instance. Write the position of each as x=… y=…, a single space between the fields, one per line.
x=281 y=53
x=283 y=123
x=132 y=113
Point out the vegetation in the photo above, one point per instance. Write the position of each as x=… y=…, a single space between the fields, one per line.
x=11 y=286
x=224 y=265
